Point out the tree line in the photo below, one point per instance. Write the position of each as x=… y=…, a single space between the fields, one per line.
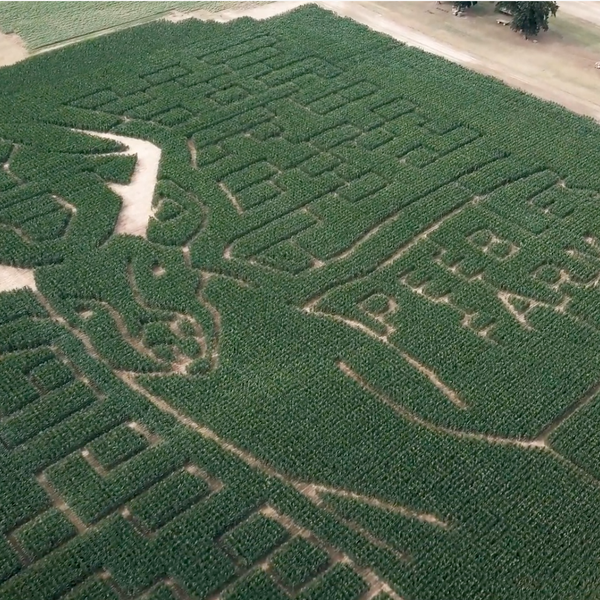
x=528 y=18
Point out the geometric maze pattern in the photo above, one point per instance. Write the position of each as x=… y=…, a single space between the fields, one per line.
x=354 y=355
x=121 y=509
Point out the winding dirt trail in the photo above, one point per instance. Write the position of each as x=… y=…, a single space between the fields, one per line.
x=138 y=194
x=382 y=24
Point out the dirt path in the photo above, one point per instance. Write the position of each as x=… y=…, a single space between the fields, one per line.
x=138 y=194
x=12 y=49
x=392 y=27
x=559 y=68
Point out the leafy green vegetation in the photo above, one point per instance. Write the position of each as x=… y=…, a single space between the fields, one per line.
x=339 y=583
x=298 y=562
x=117 y=445
x=166 y=499
x=254 y=539
x=49 y=530
x=354 y=351
x=41 y=24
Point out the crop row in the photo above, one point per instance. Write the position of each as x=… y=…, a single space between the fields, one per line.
x=319 y=187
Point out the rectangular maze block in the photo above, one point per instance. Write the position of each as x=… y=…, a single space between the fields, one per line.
x=254 y=539
x=168 y=498
x=45 y=533
x=298 y=562
x=117 y=445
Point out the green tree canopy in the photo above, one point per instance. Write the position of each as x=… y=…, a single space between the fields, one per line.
x=529 y=17
x=460 y=6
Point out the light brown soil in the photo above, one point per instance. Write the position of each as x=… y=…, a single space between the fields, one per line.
x=14 y=278
x=231 y=198
x=588 y=11
x=368 y=15
x=138 y=194
x=559 y=67
x=12 y=49
x=260 y=12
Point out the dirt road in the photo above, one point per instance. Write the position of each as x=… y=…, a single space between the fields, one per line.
x=588 y=11
x=559 y=67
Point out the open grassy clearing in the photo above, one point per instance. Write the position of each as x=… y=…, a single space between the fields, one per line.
x=351 y=350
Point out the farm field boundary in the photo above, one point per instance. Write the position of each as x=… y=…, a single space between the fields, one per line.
x=558 y=78
x=294 y=311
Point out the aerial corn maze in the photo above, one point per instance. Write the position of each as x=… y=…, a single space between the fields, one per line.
x=297 y=312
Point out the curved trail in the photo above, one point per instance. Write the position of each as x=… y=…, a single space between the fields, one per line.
x=138 y=194
x=137 y=197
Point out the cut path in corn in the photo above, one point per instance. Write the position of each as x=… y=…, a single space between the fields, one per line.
x=559 y=68
x=15 y=278
x=138 y=194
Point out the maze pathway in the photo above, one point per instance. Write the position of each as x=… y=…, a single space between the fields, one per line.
x=306 y=314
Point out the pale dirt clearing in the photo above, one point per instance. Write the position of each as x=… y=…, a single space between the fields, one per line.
x=365 y=15
x=138 y=194
x=344 y=9
x=15 y=278
x=12 y=49
x=257 y=12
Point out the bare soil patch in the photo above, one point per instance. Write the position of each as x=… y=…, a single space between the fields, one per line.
x=12 y=49
x=588 y=11
x=558 y=68
x=138 y=194
x=254 y=11
x=15 y=278
x=383 y=23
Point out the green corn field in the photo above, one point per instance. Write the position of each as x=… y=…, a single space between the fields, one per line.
x=351 y=352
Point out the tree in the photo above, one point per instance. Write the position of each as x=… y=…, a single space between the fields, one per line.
x=461 y=6
x=506 y=7
x=528 y=17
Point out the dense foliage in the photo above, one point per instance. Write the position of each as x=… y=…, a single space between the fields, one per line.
x=356 y=352
x=529 y=18
x=41 y=24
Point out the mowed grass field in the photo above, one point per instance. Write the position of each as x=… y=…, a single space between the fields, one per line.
x=354 y=352
x=45 y=23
